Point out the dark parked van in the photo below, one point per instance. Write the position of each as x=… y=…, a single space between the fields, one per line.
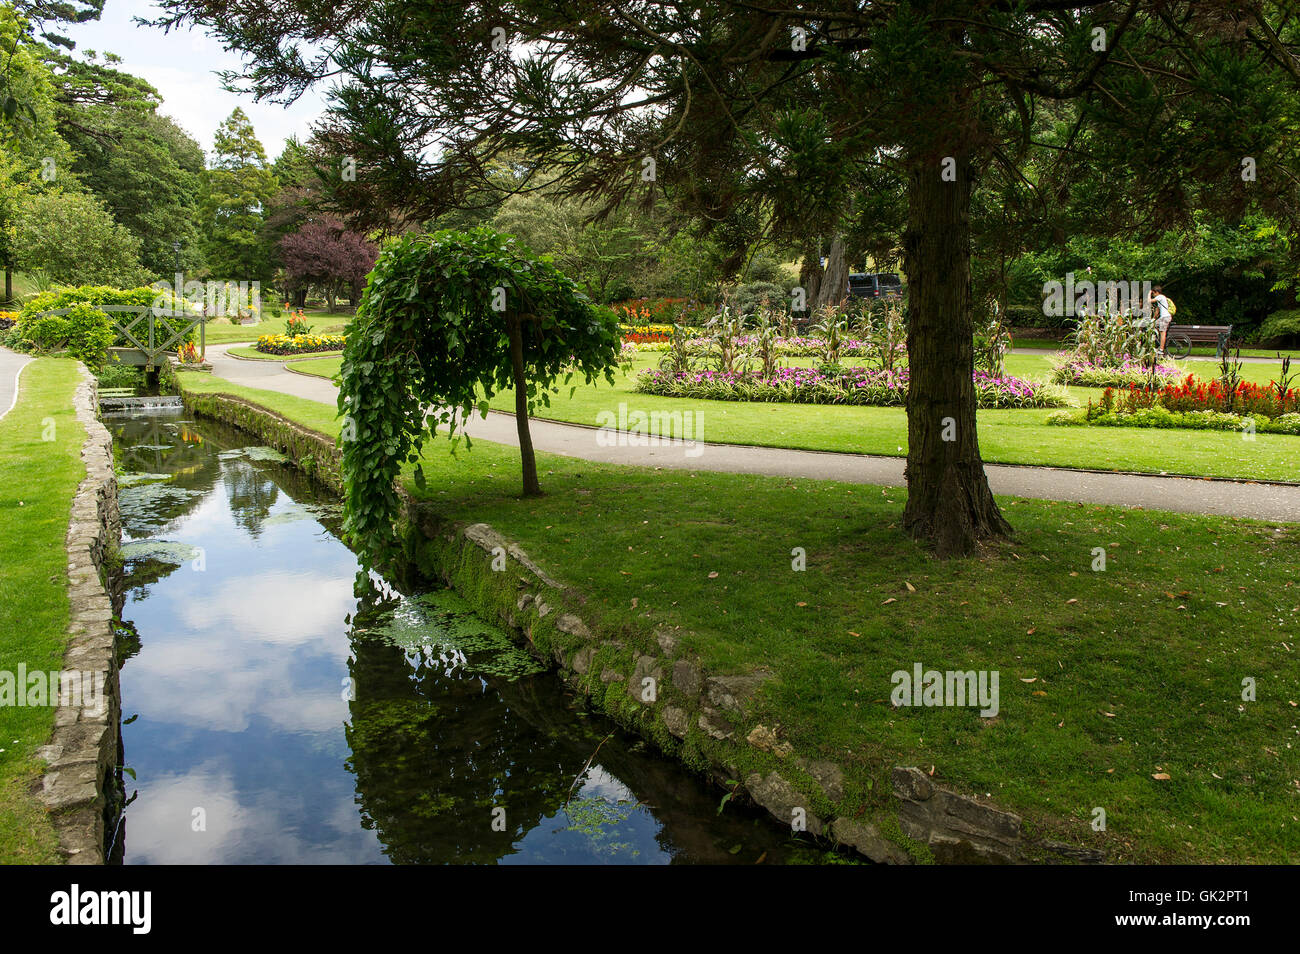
x=875 y=285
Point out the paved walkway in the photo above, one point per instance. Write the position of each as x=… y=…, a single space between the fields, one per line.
x=1178 y=494
x=11 y=362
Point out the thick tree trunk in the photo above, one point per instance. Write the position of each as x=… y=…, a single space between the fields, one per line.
x=835 y=281
x=514 y=327
x=948 y=498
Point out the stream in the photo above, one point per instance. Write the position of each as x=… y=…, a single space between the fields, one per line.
x=276 y=712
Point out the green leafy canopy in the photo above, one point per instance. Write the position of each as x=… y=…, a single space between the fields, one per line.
x=429 y=345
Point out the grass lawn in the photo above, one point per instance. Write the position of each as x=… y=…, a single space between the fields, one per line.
x=37 y=481
x=1006 y=436
x=1106 y=678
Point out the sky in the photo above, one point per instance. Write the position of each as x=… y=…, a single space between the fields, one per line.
x=182 y=66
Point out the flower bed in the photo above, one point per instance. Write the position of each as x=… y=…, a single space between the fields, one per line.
x=792 y=347
x=299 y=344
x=7 y=319
x=1192 y=394
x=646 y=334
x=858 y=386
x=1082 y=373
x=1162 y=417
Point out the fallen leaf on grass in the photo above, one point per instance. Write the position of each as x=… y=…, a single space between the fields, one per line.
x=1038 y=692
x=1030 y=631
x=1160 y=776
x=713 y=574
x=1068 y=602
x=1032 y=679
x=910 y=587
x=801 y=603
x=888 y=601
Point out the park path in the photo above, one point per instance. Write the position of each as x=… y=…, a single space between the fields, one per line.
x=11 y=363
x=1260 y=501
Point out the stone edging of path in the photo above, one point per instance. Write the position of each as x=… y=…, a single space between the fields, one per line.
x=85 y=749
x=710 y=716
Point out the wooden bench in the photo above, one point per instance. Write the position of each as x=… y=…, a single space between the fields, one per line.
x=1218 y=335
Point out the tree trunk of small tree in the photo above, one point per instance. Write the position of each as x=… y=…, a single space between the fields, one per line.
x=948 y=498
x=9 y=285
x=514 y=328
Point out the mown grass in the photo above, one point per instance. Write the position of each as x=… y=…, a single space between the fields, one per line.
x=38 y=478
x=1108 y=678
x=1006 y=436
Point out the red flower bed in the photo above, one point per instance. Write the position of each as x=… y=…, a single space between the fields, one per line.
x=1191 y=394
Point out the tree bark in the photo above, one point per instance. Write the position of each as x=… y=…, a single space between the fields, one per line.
x=948 y=498
x=835 y=281
x=514 y=328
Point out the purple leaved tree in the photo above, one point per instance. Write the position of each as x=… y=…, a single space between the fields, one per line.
x=326 y=254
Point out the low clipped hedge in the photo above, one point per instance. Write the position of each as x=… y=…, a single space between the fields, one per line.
x=1162 y=417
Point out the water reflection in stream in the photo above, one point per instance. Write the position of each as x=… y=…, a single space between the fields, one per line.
x=275 y=717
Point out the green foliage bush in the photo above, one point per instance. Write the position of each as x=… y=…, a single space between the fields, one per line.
x=1281 y=327
x=745 y=299
x=86 y=332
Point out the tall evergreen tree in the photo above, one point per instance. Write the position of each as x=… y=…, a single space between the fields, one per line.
x=769 y=110
x=238 y=191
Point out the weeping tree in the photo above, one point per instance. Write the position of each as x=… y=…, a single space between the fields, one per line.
x=759 y=112
x=446 y=321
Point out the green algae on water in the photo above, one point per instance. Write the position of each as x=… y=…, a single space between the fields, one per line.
x=441 y=627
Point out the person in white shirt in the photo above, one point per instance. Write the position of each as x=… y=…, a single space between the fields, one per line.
x=1163 y=315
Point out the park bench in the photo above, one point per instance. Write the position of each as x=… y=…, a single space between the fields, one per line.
x=1218 y=335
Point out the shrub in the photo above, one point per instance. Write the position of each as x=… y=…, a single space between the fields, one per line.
x=746 y=299
x=1030 y=316
x=1281 y=327
x=84 y=332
